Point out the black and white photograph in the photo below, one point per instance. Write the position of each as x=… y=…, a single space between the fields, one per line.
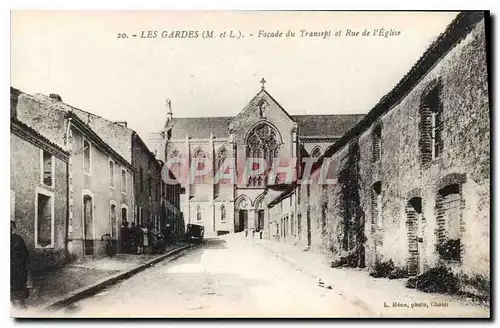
x=250 y=164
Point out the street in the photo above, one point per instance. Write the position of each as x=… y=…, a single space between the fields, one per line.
x=223 y=277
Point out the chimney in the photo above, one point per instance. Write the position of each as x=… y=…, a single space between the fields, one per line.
x=122 y=123
x=55 y=96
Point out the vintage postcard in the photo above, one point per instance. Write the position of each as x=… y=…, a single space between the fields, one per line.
x=250 y=164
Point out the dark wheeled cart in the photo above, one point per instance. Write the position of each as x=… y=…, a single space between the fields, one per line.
x=195 y=232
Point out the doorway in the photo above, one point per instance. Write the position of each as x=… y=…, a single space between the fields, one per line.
x=242 y=220
x=112 y=221
x=88 y=226
x=414 y=224
x=260 y=220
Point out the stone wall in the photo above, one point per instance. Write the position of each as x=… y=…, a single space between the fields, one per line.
x=404 y=175
x=25 y=184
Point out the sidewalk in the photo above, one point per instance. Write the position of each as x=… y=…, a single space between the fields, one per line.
x=77 y=280
x=380 y=297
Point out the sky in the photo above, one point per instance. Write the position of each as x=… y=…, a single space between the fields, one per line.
x=80 y=56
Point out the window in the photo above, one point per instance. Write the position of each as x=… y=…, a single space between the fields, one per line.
x=198 y=213
x=431 y=124
x=377 y=144
x=150 y=185
x=262 y=142
x=86 y=157
x=199 y=157
x=111 y=174
x=124 y=181
x=223 y=213
x=124 y=213
x=221 y=158
x=377 y=221
x=47 y=168
x=44 y=221
x=141 y=179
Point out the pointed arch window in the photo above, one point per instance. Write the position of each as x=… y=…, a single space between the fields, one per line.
x=221 y=157
x=262 y=142
x=200 y=156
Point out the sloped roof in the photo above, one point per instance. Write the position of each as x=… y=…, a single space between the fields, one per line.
x=51 y=124
x=289 y=189
x=457 y=30
x=309 y=125
x=200 y=127
x=326 y=125
x=18 y=127
x=114 y=134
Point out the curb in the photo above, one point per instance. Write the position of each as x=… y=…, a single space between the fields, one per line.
x=92 y=289
x=353 y=299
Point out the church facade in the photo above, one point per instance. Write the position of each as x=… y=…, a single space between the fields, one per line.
x=240 y=157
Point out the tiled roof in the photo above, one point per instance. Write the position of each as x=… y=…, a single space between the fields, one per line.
x=15 y=125
x=52 y=123
x=326 y=125
x=309 y=125
x=200 y=127
x=455 y=32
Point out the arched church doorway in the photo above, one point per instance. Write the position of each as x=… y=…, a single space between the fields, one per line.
x=242 y=220
x=241 y=217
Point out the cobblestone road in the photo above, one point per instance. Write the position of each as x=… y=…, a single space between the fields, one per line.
x=227 y=277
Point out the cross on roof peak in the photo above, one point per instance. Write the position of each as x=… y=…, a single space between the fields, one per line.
x=263 y=82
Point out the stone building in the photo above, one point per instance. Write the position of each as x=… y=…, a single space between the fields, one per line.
x=99 y=190
x=263 y=130
x=154 y=200
x=413 y=176
x=38 y=192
